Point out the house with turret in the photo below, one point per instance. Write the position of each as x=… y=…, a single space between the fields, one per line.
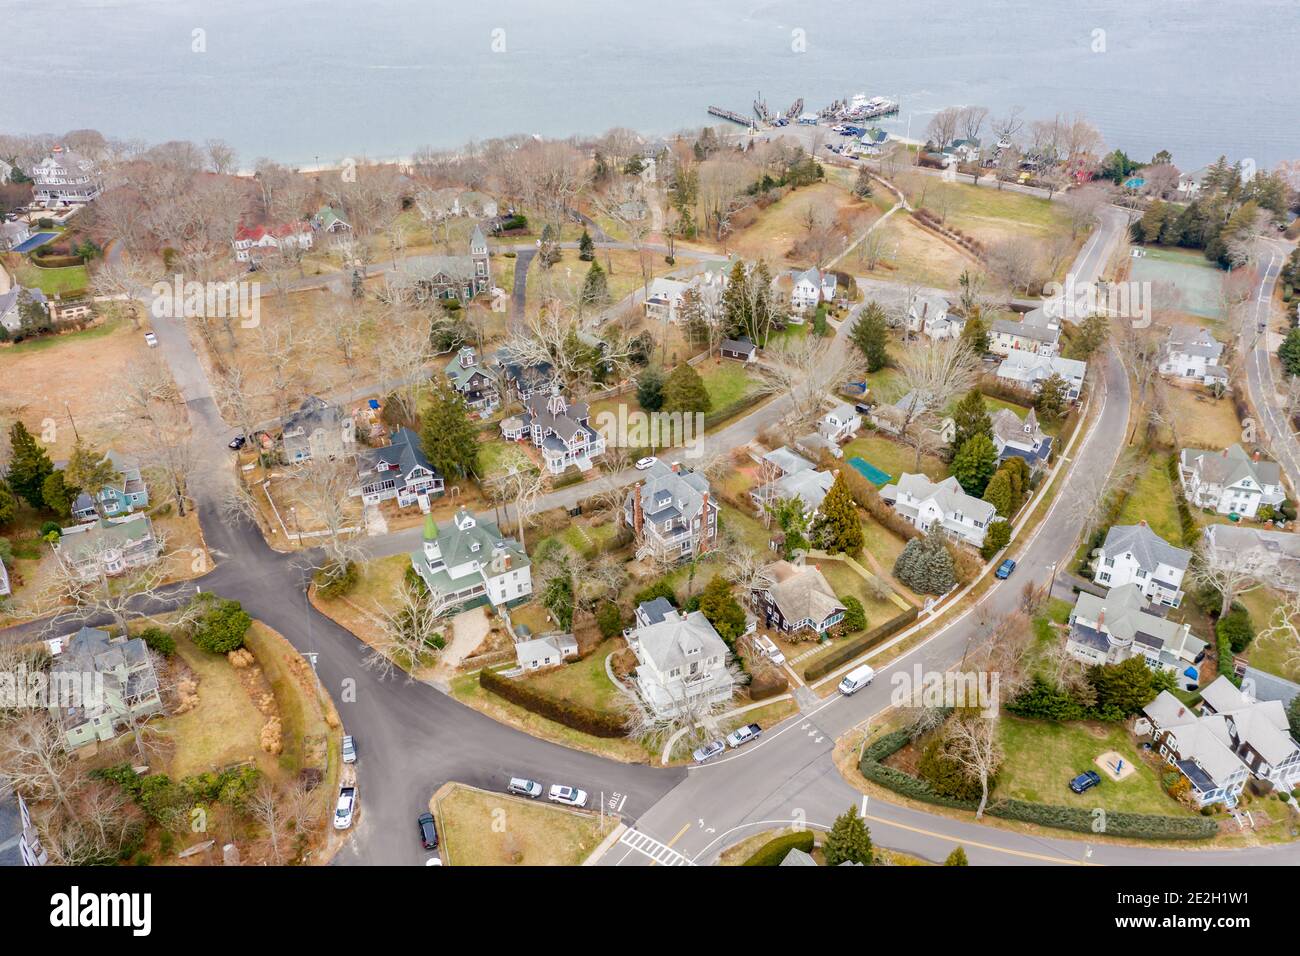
x=559 y=429
x=472 y=563
x=474 y=383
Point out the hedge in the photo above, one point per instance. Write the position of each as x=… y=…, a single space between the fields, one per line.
x=1141 y=826
x=774 y=851
x=585 y=719
x=851 y=649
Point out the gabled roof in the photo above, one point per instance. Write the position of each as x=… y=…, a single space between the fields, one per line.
x=405 y=452
x=1122 y=614
x=810 y=487
x=1148 y=549
x=947 y=494
x=683 y=486
x=1230 y=466
x=670 y=643
x=802 y=593
x=1189 y=339
x=788 y=461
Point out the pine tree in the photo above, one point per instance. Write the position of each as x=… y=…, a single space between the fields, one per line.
x=838 y=526
x=870 y=334
x=58 y=495
x=447 y=435
x=1053 y=394
x=1090 y=335
x=91 y=471
x=849 y=840
x=975 y=333
x=650 y=389
x=999 y=494
x=1288 y=353
x=862 y=185
x=586 y=248
x=29 y=465
x=996 y=538
x=595 y=288
x=956 y=858
x=685 y=392
x=925 y=566
x=722 y=610
x=735 y=304
x=974 y=464
x=971 y=418
x=8 y=504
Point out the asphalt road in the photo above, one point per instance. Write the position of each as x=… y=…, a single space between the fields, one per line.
x=1257 y=346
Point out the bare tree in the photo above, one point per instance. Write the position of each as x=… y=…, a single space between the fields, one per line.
x=806 y=373
x=519 y=484
x=36 y=761
x=324 y=487
x=222 y=159
x=126 y=280
x=943 y=127
x=973 y=745
x=409 y=628
x=934 y=376
x=1231 y=572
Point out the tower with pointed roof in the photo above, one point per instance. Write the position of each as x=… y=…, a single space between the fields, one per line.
x=478 y=253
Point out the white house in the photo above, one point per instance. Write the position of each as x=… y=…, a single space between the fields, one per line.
x=664 y=297
x=1272 y=555
x=909 y=412
x=942 y=505
x=809 y=486
x=253 y=242
x=1234 y=737
x=470 y=562
x=112 y=546
x=840 y=424
x=929 y=314
x=548 y=650
x=1134 y=554
x=1038 y=332
x=1192 y=352
x=804 y=290
x=14 y=234
x=1229 y=481
x=65 y=178
x=682 y=662
x=398 y=470
x=1028 y=370
x=1111 y=629
x=787 y=462
x=561 y=430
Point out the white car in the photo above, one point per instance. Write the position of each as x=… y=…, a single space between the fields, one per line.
x=644 y=463
x=744 y=735
x=569 y=796
x=151 y=340
x=349 y=750
x=769 y=650
x=346 y=805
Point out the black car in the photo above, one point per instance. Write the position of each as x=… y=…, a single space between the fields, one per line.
x=428 y=831
x=1085 y=781
x=237 y=442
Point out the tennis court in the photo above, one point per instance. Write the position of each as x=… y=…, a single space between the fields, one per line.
x=1197 y=281
x=870 y=471
x=33 y=242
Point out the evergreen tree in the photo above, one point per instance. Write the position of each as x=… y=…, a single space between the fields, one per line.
x=1122 y=689
x=735 y=303
x=586 y=248
x=998 y=493
x=1090 y=335
x=684 y=391
x=971 y=418
x=447 y=435
x=8 y=504
x=855 y=615
x=595 y=289
x=925 y=565
x=975 y=463
x=1053 y=395
x=1293 y=717
x=91 y=471
x=996 y=538
x=650 y=389
x=956 y=858
x=221 y=623
x=793 y=521
x=1288 y=353
x=838 y=527
x=723 y=611
x=862 y=185
x=849 y=840
x=870 y=333
x=975 y=333
x=58 y=495
x=29 y=465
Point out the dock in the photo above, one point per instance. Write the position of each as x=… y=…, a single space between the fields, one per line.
x=731 y=115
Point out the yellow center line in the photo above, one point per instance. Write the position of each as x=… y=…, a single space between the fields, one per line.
x=672 y=841
x=982 y=846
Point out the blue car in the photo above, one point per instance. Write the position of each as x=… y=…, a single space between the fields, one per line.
x=1004 y=569
x=1085 y=781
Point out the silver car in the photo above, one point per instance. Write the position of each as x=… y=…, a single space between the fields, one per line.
x=349 y=750
x=524 y=787
x=709 y=750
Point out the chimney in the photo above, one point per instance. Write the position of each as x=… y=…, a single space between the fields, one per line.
x=1101 y=619
x=1142 y=522
x=1255 y=457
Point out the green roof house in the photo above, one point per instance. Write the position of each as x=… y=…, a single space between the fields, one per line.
x=470 y=561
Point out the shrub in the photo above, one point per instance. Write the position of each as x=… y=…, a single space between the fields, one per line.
x=851 y=649
x=775 y=850
x=609 y=619
x=1235 y=627
x=661 y=588
x=855 y=618
x=768 y=682
x=563 y=711
x=335 y=582
x=159 y=641
x=995 y=539
x=221 y=625
x=926 y=566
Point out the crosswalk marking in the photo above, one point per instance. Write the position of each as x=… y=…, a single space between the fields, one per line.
x=647 y=845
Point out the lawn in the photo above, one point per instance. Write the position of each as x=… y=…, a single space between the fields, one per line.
x=777 y=229
x=359 y=610
x=749 y=528
x=1042 y=758
x=1268 y=653
x=535 y=834
x=61 y=281
x=846 y=582
x=911 y=254
x=726 y=383
x=625 y=270
x=1203 y=420
x=1151 y=499
x=584 y=682
x=892 y=456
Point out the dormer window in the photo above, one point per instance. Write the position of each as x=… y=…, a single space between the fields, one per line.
x=474 y=546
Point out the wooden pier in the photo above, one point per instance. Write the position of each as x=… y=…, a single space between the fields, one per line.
x=731 y=115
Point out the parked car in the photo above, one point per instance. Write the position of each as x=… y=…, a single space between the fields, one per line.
x=644 y=463
x=1004 y=569
x=151 y=340
x=524 y=787
x=744 y=735
x=349 y=750
x=569 y=796
x=709 y=750
x=345 y=807
x=428 y=831
x=770 y=650
x=862 y=409
x=857 y=679
x=1085 y=781
x=236 y=443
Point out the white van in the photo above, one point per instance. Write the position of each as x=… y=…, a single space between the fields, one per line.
x=857 y=679
x=769 y=650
